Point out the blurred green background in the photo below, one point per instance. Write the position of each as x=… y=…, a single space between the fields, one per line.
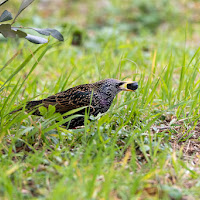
x=130 y=29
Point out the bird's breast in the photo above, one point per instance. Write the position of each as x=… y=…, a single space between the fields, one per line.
x=104 y=105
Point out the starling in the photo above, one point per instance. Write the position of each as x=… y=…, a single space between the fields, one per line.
x=97 y=96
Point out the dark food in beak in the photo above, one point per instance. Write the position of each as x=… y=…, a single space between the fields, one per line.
x=132 y=86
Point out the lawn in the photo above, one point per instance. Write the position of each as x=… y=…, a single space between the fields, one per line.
x=147 y=146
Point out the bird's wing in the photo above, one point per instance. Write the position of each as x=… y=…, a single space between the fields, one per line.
x=66 y=101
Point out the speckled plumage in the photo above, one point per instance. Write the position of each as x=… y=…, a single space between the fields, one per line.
x=98 y=96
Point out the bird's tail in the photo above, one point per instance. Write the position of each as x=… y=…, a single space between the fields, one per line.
x=30 y=106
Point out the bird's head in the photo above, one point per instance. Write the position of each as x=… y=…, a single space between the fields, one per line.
x=111 y=87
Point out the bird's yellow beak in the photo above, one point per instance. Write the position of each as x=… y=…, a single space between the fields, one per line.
x=129 y=86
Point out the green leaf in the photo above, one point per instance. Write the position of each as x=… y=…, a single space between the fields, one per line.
x=7 y=31
x=51 y=110
x=6 y=16
x=49 y=31
x=35 y=39
x=43 y=110
x=24 y=5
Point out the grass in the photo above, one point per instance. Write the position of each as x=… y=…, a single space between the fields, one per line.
x=145 y=147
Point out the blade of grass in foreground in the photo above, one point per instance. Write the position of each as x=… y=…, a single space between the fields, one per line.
x=18 y=90
x=11 y=59
x=46 y=125
x=13 y=95
x=26 y=61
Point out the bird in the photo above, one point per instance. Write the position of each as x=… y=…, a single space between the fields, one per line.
x=97 y=96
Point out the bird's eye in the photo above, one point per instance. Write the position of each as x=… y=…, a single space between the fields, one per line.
x=119 y=84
